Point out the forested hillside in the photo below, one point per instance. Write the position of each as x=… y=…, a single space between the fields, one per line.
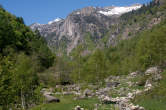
x=145 y=50
x=22 y=55
x=141 y=49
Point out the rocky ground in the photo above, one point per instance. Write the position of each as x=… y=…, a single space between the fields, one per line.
x=118 y=91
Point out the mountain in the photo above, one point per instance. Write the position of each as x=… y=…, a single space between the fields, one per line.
x=117 y=60
x=72 y=30
x=125 y=67
x=97 y=27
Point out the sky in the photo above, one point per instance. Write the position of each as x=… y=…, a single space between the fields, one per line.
x=43 y=11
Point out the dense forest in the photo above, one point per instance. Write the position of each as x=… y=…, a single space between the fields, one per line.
x=22 y=55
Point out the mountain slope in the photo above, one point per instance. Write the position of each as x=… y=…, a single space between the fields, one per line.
x=73 y=29
x=100 y=27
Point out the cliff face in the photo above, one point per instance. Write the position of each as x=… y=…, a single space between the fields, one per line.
x=68 y=33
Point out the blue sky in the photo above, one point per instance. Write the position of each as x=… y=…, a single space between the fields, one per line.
x=42 y=11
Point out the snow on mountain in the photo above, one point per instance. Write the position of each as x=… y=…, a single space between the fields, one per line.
x=35 y=25
x=119 y=10
x=56 y=20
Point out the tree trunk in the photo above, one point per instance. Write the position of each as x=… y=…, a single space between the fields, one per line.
x=22 y=100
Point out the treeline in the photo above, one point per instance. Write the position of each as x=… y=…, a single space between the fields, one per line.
x=146 y=9
x=23 y=54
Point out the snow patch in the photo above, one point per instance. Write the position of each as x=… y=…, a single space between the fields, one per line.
x=77 y=13
x=56 y=20
x=119 y=10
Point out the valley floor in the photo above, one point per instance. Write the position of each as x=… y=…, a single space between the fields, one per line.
x=128 y=92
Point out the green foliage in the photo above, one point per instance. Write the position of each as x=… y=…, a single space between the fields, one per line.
x=59 y=73
x=151 y=49
x=89 y=41
x=22 y=55
x=138 y=53
x=95 y=67
x=6 y=74
x=155 y=99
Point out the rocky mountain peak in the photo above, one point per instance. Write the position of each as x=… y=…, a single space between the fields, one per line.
x=89 y=19
x=87 y=11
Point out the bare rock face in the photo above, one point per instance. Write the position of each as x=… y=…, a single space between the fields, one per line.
x=68 y=33
x=73 y=28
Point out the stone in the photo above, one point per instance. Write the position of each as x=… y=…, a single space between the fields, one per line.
x=134 y=74
x=112 y=84
x=51 y=99
x=77 y=88
x=157 y=77
x=76 y=93
x=130 y=83
x=137 y=92
x=102 y=91
x=78 y=108
x=133 y=107
x=58 y=93
x=152 y=70
x=130 y=95
x=87 y=93
x=108 y=100
x=67 y=93
x=148 y=84
x=141 y=108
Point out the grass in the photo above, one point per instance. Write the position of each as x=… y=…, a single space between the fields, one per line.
x=67 y=103
x=155 y=99
x=153 y=104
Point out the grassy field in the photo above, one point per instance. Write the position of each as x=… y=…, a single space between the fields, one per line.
x=67 y=103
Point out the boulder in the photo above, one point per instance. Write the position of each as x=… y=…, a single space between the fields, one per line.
x=133 y=107
x=148 y=85
x=76 y=93
x=51 y=99
x=67 y=93
x=134 y=74
x=141 y=108
x=88 y=93
x=78 y=108
x=77 y=88
x=152 y=70
x=102 y=91
x=157 y=77
x=108 y=100
x=130 y=95
x=112 y=84
x=130 y=83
